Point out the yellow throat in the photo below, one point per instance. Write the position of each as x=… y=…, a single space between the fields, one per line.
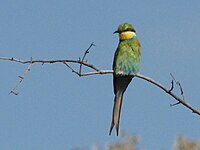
x=126 y=35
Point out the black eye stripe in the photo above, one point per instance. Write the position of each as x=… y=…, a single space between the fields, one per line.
x=129 y=30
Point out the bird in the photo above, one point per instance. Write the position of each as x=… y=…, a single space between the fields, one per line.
x=126 y=64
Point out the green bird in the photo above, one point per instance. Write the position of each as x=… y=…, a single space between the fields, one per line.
x=125 y=65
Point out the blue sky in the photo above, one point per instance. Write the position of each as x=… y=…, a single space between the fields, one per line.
x=58 y=110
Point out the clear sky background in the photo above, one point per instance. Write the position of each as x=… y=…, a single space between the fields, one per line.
x=57 y=110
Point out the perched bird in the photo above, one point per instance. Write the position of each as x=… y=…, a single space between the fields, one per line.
x=125 y=65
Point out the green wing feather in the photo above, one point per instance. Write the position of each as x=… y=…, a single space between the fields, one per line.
x=127 y=58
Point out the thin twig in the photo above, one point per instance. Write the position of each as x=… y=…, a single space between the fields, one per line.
x=74 y=71
x=179 y=86
x=83 y=58
x=21 y=78
x=88 y=73
x=43 y=61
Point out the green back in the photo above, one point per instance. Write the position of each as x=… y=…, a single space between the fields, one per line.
x=127 y=57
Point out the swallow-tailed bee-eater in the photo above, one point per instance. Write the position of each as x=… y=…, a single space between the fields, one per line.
x=125 y=65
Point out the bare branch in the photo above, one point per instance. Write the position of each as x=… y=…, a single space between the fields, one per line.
x=96 y=71
x=169 y=92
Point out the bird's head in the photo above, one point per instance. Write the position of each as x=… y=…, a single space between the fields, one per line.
x=126 y=31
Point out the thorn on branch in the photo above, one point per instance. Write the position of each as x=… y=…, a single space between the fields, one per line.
x=172 y=87
x=21 y=77
x=15 y=93
x=171 y=105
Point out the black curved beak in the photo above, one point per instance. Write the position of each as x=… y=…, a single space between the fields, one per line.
x=116 y=32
